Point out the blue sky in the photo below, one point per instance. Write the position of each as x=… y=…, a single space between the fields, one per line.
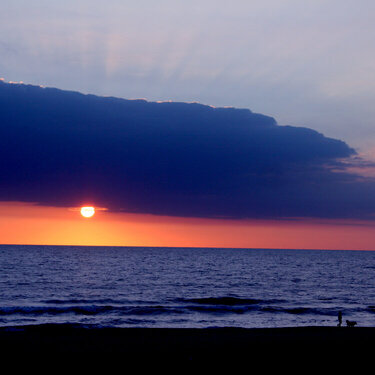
x=306 y=63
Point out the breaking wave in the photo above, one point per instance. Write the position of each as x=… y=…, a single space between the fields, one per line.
x=206 y=305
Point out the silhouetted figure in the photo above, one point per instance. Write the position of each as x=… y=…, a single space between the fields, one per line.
x=350 y=323
x=339 y=317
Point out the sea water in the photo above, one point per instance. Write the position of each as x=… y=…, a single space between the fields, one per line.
x=184 y=287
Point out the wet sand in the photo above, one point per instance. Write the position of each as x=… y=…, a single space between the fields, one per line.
x=186 y=344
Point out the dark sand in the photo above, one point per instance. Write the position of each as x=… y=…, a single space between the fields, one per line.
x=187 y=344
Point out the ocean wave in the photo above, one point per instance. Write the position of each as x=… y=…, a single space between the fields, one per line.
x=228 y=301
x=87 y=310
x=128 y=310
x=223 y=305
x=242 y=309
x=210 y=306
x=299 y=310
x=81 y=301
x=53 y=310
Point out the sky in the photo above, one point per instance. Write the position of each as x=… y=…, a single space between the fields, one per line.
x=306 y=64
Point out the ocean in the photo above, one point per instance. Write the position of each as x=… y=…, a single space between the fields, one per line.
x=184 y=287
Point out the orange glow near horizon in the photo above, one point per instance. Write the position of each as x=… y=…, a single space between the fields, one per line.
x=23 y=223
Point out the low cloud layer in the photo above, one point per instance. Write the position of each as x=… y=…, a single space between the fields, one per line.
x=64 y=148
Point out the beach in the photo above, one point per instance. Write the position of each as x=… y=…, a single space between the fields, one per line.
x=185 y=344
x=186 y=305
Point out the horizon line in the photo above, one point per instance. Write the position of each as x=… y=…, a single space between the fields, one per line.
x=192 y=247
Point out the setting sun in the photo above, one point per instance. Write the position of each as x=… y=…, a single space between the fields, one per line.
x=87 y=211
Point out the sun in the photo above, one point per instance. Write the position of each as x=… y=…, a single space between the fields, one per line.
x=87 y=211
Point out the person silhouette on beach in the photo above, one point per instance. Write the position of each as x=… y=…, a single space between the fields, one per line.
x=339 y=317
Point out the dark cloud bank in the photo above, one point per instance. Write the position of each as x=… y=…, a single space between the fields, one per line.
x=64 y=148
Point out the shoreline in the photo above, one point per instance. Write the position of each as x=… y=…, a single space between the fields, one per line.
x=182 y=343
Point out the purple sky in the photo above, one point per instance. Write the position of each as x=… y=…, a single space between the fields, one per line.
x=306 y=63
